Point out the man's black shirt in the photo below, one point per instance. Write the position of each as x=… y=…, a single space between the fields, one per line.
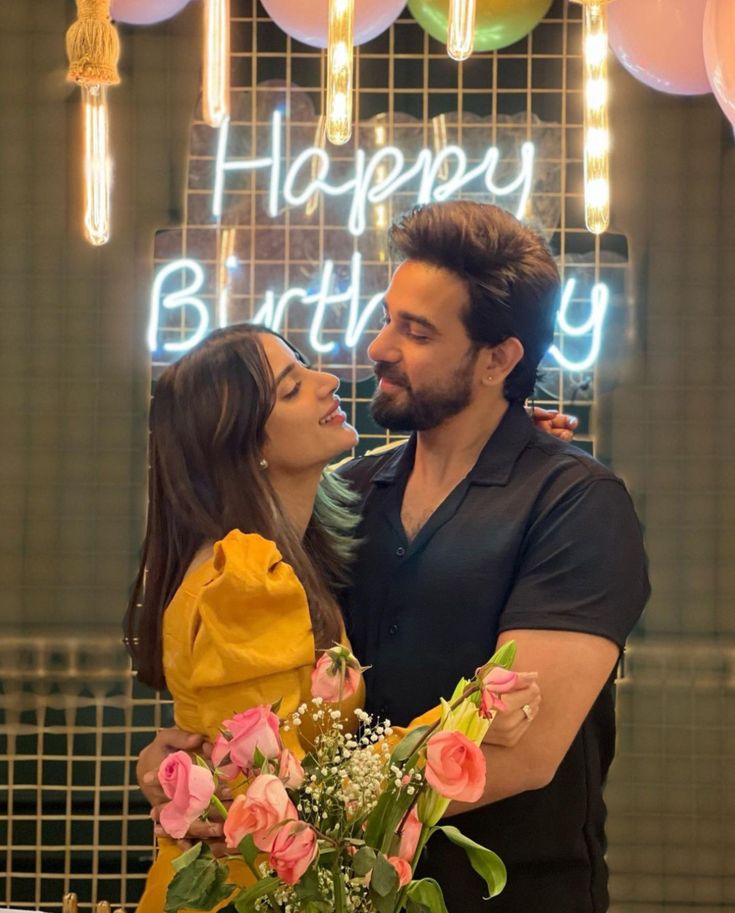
x=537 y=536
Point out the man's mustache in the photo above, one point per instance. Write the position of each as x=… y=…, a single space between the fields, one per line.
x=384 y=371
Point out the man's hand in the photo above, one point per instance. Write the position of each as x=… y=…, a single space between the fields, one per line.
x=523 y=704
x=555 y=423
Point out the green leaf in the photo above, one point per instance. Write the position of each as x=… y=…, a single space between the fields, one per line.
x=307 y=888
x=276 y=706
x=505 y=656
x=245 y=901
x=406 y=747
x=259 y=759
x=363 y=860
x=340 y=895
x=181 y=862
x=248 y=850
x=375 y=829
x=486 y=863
x=425 y=895
x=198 y=886
x=384 y=878
x=201 y=762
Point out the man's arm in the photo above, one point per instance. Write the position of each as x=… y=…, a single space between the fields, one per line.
x=572 y=670
x=580 y=587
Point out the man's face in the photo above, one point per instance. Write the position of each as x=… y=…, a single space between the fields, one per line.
x=424 y=359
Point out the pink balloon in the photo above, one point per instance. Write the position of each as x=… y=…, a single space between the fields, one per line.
x=719 y=52
x=145 y=12
x=659 y=42
x=306 y=20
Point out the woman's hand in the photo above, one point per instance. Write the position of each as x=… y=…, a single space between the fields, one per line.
x=523 y=704
x=554 y=423
x=150 y=759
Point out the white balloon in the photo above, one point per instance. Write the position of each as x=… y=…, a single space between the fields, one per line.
x=145 y=12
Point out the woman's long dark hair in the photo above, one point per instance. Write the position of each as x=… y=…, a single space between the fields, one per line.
x=207 y=431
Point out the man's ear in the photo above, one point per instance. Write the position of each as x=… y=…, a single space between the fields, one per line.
x=497 y=362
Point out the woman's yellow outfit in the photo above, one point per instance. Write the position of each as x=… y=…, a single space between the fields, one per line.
x=237 y=633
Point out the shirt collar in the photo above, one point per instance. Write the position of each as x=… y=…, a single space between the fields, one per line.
x=495 y=463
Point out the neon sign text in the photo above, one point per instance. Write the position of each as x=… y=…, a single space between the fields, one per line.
x=375 y=178
x=273 y=311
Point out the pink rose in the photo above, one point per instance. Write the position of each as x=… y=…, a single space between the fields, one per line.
x=294 y=850
x=455 y=766
x=497 y=681
x=220 y=750
x=403 y=870
x=190 y=789
x=336 y=676
x=260 y=812
x=257 y=728
x=410 y=836
x=290 y=771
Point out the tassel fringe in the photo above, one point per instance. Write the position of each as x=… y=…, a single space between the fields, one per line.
x=92 y=45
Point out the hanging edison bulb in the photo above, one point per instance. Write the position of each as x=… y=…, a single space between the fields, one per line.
x=93 y=48
x=97 y=167
x=340 y=53
x=461 y=28
x=216 y=62
x=596 y=128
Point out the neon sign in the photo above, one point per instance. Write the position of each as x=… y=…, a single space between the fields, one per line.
x=272 y=312
x=375 y=179
x=183 y=286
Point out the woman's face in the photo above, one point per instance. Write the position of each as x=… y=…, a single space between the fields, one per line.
x=306 y=429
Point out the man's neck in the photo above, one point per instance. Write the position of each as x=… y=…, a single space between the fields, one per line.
x=449 y=451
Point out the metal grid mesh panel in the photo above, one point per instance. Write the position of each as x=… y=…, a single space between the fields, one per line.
x=72 y=719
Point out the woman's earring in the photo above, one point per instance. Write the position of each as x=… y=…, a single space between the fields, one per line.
x=263 y=464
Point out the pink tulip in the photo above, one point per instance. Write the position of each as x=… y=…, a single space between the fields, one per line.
x=190 y=789
x=255 y=729
x=294 y=849
x=403 y=870
x=259 y=813
x=455 y=766
x=410 y=836
x=336 y=676
x=497 y=681
x=290 y=771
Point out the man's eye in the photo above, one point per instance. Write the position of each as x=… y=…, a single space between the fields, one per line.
x=385 y=320
x=417 y=337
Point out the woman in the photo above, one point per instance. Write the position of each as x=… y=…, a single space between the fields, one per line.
x=241 y=430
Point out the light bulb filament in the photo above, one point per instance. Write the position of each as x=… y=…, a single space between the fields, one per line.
x=461 y=28
x=596 y=129
x=216 y=62
x=97 y=166
x=339 y=70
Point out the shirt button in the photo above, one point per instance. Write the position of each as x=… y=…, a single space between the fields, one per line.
x=393 y=629
x=400 y=551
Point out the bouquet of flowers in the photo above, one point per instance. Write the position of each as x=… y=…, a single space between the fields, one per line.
x=342 y=829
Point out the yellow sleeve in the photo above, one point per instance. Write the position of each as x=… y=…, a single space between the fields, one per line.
x=252 y=641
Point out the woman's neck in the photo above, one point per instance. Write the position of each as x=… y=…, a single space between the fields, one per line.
x=297 y=495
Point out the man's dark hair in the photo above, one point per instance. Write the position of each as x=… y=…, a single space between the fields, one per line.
x=511 y=277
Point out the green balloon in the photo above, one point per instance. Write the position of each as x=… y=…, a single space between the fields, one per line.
x=498 y=24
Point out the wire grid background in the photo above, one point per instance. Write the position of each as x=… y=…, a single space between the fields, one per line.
x=410 y=93
x=73 y=717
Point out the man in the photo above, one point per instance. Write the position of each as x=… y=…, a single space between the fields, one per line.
x=482 y=529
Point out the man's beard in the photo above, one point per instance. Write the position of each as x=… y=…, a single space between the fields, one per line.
x=421 y=410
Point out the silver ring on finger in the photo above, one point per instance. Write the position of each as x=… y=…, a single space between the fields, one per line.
x=527 y=712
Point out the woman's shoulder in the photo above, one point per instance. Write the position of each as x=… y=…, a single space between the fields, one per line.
x=244 y=556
